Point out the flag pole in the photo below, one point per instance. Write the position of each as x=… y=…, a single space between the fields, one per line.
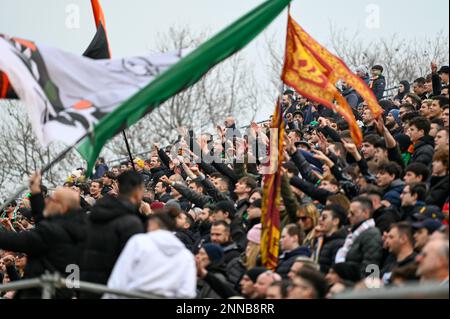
x=43 y=170
x=129 y=150
x=100 y=20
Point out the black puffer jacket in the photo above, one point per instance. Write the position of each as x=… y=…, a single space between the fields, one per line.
x=330 y=246
x=207 y=290
x=384 y=217
x=112 y=222
x=235 y=270
x=438 y=193
x=187 y=237
x=367 y=249
x=424 y=151
x=230 y=250
x=55 y=243
x=287 y=259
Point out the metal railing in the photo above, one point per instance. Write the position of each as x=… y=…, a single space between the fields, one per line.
x=410 y=291
x=50 y=282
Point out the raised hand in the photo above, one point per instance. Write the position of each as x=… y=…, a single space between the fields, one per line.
x=35 y=183
x=165 y=179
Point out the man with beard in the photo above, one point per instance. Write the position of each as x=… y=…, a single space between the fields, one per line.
x=113 y=220
x=394 y=123
x=369 y=122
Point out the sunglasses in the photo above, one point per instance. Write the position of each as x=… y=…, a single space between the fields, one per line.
x=303 y=218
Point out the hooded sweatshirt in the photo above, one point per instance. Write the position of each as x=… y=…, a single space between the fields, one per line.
x=157 y=263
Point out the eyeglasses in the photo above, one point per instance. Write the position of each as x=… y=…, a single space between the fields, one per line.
x=303 y=218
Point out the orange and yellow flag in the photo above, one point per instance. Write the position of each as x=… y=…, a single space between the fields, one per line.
x=313 y=71
x=270 y=216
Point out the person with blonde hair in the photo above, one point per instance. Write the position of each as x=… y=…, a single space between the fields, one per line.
x=308 y=218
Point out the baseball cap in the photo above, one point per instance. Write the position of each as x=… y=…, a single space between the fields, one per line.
x=430 y=224
x=443 y=69
x=429 y=212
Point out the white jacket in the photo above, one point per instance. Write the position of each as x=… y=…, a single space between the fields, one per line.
x=156 y=262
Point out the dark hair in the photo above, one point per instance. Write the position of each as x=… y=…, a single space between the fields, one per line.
x=222 y=177
x=164 y=185
x=419 y=189
x=291 y=168
x=419 y=169
x=416 y=99
x=98 y=181
x=406 y=273
x=392 y=168
x=13 y=203
x=405 y=228
x=198 y=184
x=84 y=188
x=409 y=107
x=222 y=223
x=421 y=123
x=421 y=81
x=365 y=202
x=381 y=143
x=109 y=175
x=101 y=159
x=250 y=182
x=166 y=218
x=406 y=118
x=338 y=212
x=295 y=230
x=342 y=125
x=378 y=67
x=44 y=190
x=129 y=181
x=298 y=133
x=443 y=100
x=370 y=189
x=124 y=163
x=284 y=287
x=316 y=279
x=345 y=134
x=372 y=139
x=438 y=121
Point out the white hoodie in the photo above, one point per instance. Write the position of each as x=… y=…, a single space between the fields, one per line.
x=156 y=262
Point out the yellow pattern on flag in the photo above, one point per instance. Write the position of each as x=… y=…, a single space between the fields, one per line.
x=313 y=72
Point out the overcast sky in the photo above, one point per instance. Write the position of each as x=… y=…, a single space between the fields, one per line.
x=133 y=25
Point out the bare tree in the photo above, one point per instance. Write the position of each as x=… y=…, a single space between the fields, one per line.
x=402 y=59
x=228 y=89
x=21 y=153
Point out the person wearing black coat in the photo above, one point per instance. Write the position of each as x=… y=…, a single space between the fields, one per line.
x=423 y=151
x=212 y=281
x=377 y=82
x=330 y=246
x=384 y=216
x=404 y=88
x=112 y=222
x=439 y=188
x=363 y=246
x=291 y=238
x=331 y=224
x=54 y=243
x=418 y=131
